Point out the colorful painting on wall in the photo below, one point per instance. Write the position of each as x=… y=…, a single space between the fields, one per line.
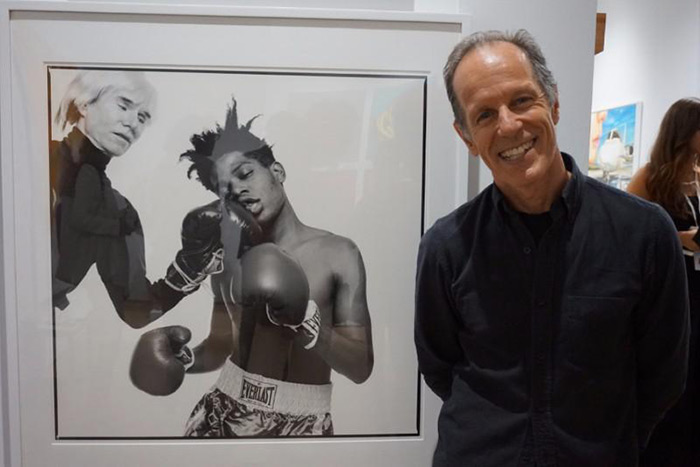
x=614 y=144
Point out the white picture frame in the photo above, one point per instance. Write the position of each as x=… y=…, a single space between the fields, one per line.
x=40 y=35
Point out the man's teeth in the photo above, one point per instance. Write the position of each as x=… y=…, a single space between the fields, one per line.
x=518 y=151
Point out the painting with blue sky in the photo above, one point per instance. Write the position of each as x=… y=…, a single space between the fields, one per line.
x=614 y=140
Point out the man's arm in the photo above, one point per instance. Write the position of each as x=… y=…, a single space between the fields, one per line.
x=162 y=357
x=661 y=330
x=201 y=256
x=436 y=327
x=346 y=345
x=212 y=352
x=87 y=213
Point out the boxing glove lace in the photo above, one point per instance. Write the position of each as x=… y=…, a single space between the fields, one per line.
x=202 y=251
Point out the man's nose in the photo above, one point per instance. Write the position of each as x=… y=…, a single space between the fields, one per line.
x=132 y=122
x=508 y=121
x=236 y=189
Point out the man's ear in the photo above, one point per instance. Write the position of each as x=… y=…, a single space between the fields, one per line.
x=278 y=171
x=470 y=145
x=82 y=108
x=555 y=106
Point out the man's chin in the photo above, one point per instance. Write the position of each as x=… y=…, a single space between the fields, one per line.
x=120 y=147
x=116 y=152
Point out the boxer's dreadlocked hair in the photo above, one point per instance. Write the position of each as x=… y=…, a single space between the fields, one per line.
x=210 y=145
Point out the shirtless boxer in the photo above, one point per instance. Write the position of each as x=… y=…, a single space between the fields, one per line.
x=289 y=306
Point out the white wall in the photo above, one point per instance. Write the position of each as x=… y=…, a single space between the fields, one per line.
x=652 y=55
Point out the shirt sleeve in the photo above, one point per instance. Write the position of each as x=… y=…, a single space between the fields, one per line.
x=88 y=213
x=662 y=330
x=436 y=326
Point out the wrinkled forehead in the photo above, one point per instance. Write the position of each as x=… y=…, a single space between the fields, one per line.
x=499 y=56
x=132 y=86
x=489 y=67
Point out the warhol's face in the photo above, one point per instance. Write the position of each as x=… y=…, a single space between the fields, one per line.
x=116 y=119
x=510 y=121
x=256 y=187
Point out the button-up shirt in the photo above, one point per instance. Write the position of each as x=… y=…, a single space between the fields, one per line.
x=565 y=351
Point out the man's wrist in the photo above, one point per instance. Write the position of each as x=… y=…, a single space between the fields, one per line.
x=311 y=326
x=186 y=356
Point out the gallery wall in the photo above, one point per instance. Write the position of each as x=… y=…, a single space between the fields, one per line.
x=564 y=29
x=652 y=56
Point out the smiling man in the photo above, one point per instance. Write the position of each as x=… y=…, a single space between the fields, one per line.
x=290 y=305
x=551 y=316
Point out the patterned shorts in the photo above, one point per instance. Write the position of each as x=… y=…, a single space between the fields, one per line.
x=243 y=404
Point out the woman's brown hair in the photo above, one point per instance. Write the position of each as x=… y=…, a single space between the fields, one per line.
x=671 y=155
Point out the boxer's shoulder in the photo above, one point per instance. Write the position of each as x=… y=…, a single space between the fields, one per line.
x=327 y=244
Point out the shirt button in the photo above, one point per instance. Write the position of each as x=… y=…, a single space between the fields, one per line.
x=527 y=250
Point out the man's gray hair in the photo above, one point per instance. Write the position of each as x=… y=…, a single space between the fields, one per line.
x=520 y=38
x=88 y=86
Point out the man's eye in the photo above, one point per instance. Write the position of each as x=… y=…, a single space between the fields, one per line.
x=483 y=116
x=245 y=174
x=522 y=101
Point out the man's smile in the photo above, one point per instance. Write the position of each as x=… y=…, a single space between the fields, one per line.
x=518 y=151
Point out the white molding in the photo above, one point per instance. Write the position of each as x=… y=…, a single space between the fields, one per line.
x=235 y=11
x=9 y=368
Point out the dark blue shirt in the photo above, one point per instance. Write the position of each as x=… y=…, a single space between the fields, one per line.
x=563 y=352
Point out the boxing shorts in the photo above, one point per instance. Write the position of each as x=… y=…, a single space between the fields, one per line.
x=242 y=404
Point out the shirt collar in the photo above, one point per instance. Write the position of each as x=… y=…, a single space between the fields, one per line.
x=569 y=201
x=86 y=151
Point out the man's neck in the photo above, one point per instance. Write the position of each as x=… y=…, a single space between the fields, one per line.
x=536 y=199
x=286 y=228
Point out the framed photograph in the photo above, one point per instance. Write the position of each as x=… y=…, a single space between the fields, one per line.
x=614 y=144
x=235 y=193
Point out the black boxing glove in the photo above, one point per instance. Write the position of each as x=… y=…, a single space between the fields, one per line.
x=251 y=232
x=274 y=279
x=202 y=251
x=160 y=360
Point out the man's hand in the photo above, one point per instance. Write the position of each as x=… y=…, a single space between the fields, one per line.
x=688 y=239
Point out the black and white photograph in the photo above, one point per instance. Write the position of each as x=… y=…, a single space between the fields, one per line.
x=230 y=250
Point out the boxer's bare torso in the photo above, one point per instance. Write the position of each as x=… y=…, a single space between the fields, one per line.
x=335 y=272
